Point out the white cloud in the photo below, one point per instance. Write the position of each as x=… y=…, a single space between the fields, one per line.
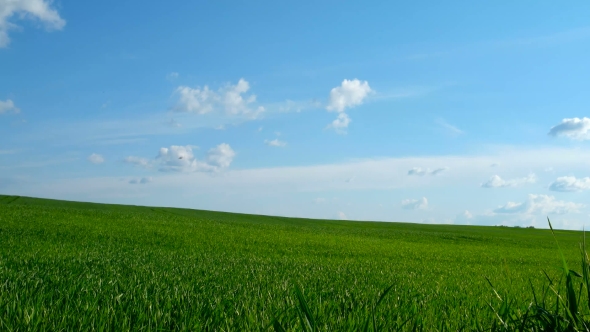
x=342 y=216
x=96 y=159
x=182 y=159
x=231 y=99
x=196 y=100
x=221 y=156
x=31 y=9
x=540 y=204
x=570 y=183
x=137 y=161
x=452 y=129
x=8 y=105
x=341 y=123
x=573 y=128
x=275 y=142
x=421 y=172
x=415 y=204
x=172 y=76
x=234 y=101
x=497 y=182
x=178 y=158
x=349 y=94
x=239 y=190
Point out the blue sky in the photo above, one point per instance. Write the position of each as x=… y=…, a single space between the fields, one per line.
x=456 y=112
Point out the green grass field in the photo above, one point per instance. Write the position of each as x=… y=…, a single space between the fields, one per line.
x=67 y=266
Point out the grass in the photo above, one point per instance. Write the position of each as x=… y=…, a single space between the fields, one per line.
x=81 y=266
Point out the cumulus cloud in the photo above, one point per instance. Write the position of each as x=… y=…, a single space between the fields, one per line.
x=137 y=161
x=27 y=9
x=182 y=159
x=179 y=159
x=349 y=94
x=275 y=143
x=540 y=204
x=196 y=100
x=570 y=183
x=96 y=158
x=221 y=156
x=418 y=171
x=497 y=182
x=8 y=105
x=573 y=128
x=230 y=98
x=415 y=204
x=340 y=123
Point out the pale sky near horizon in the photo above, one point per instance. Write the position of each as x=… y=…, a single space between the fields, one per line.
x=456 y=112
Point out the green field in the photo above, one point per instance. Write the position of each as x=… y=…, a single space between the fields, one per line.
x=80 y=266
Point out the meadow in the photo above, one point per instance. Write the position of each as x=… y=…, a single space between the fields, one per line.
x=68 y=266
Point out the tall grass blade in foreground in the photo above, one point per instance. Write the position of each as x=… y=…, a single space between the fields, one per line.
x=540 y=315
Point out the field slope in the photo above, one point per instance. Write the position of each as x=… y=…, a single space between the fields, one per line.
x=83 y=266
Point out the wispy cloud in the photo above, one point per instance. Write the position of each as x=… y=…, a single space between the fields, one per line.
x=548 y=40
x=275 y=143
x=36 y=9
x=8 y=106
x=96 y=158
x=449 y=127
x=421 y=172
x=172 y=76
x=415 y=204
x=540 y=204
x=497 y=182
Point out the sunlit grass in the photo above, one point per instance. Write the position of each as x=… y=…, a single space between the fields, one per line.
x=79 y=266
